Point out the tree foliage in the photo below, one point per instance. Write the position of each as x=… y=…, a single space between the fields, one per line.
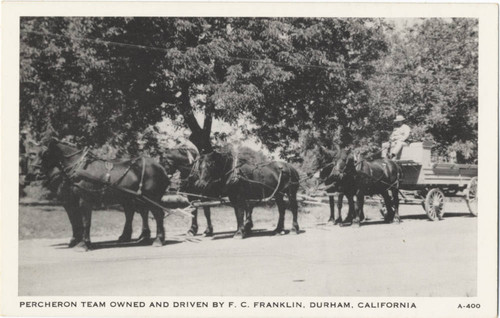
x=430 y=75
x=110 y=80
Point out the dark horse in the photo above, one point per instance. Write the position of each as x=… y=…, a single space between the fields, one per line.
x=362 y=177
x=183 y=159
x=247 y=183
x=323 y=164
x=83 y=180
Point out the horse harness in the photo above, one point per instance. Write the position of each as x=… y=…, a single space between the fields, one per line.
x=75 y=171
x=370 y=175
x=234 y=175
x=239 y=176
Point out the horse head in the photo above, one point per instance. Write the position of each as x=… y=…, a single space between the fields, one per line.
x=48 y=163
x=343 y=165
x=48 y=160
x=212 y=171
x=321 y=161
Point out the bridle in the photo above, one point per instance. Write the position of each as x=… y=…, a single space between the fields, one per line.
x=341 y=172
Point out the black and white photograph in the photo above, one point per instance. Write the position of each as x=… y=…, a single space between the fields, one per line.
x=308 y=165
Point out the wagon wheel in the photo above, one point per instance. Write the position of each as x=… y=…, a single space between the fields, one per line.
x=472 y=196
x=434 y=203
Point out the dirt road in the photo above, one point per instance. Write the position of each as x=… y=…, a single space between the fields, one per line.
x=414 y=258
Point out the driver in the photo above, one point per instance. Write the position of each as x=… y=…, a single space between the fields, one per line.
x=401 y=132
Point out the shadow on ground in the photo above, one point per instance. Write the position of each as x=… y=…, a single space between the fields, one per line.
x=116 y=244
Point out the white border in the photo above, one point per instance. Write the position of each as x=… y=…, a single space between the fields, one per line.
x=427 y=306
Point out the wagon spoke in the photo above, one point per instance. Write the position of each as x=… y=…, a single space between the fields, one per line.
x=471 y=197
x=434 y=202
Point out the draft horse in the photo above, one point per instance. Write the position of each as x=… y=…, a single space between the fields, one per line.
x=361 y=177
x=81 y=180
x=182 y=160
x=322 y=163
x=246 y=184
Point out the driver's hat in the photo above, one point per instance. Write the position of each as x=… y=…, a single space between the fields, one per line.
x=399 y=118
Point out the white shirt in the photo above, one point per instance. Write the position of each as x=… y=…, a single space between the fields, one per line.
x=401 y=133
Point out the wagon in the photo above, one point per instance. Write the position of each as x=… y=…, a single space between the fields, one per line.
x=427 y=183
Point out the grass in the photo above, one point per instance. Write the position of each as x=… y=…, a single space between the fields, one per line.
x=37 y=222
x=51 y=221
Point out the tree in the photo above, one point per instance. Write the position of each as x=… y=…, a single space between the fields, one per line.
x=109 y=79
x=430 y=76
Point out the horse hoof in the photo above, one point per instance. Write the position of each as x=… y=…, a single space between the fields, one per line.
x=239 y=236
x=73 y=242
x=208 y=233
x=279 y=232
x=192 y=231
x=124 y=239
x=82 y=247
x=158 y=242
x=356 y=224
x=143 y=240
x=295 y=231
x=145 y=235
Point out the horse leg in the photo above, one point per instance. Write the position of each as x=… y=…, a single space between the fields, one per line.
x=129 y=209
x=331 y=200
x=340 y=198
x=76 y=223
x=209 y=231
x=86 y=214
x=160 y=230
x=240 y=230
x=350 y=212
x=281 y=220
x=295 y=208
x=248 y=219
x=194 y=223
x=395 y=202
x=358 y=208
x=362 y=213
x=388 y=205
x=146 y=232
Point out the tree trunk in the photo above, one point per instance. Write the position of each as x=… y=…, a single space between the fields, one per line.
x=202 y=141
